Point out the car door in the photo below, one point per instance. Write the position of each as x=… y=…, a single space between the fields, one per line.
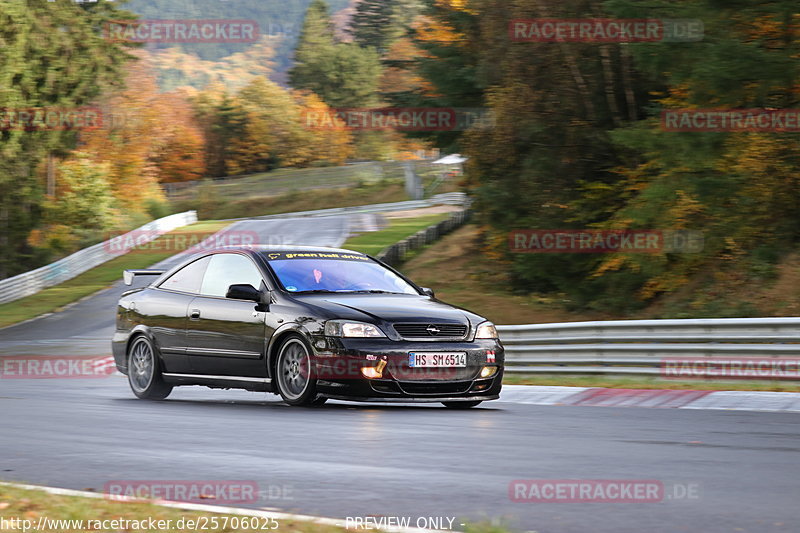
x=165 y=312
x=226 y=337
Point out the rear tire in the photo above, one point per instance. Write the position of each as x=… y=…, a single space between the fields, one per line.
x=293 y=373
x=462 y=405
x=144 y=371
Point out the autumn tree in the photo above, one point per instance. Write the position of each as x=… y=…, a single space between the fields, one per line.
x=147 y=138
x=274 y=133
x=52 y=55
x=82 y=210
x=328 y=146
x=262 y=128
x=551 y=104
x=181 y=153
x=222 y=121
x=740 y=188
x=176 y=68
x=379 y=23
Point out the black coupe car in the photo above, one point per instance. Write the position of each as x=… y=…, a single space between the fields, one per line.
x=306 y=323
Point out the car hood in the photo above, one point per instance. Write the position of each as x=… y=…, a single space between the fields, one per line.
x=391 y=308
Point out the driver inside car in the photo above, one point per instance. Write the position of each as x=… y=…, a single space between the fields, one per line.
x=323 y=278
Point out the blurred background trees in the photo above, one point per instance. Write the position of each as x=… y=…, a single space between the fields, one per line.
x=575 y=140
x=50 y=55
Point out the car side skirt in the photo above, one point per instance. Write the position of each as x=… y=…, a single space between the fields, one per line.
x=220 y=382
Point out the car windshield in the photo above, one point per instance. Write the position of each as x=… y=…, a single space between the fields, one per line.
x=314 y=272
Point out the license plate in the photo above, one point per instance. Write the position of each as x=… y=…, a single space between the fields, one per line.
x=436 y=360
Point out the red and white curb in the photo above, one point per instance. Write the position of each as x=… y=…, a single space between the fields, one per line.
x=603 y=397
x=105 y=365
x=675 y=399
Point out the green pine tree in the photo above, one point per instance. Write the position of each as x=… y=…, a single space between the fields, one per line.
x=370 y=23
x=342 y=74
x=52 y=54
x=317 y=39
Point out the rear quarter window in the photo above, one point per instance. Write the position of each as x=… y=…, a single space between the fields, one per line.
x=188 y=279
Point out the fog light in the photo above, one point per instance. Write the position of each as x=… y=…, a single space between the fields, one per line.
x=372 y=372
x=488 y=371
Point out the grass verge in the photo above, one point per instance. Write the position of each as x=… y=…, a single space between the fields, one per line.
x=212 y=207
x=454 y=268
x=650 y=383
x=100 y=277
x=33 y=505
x=286 y=180
x=398 y=229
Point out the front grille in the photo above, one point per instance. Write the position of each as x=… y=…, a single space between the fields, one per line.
x=385 y=387
x=405 y=373
x=435 y=389
x=422 y=330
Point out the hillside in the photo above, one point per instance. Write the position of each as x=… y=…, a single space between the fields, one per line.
x=738 y=291
x=276 y=18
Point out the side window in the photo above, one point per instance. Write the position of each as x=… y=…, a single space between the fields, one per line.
x=226 y=270
x=187 y=279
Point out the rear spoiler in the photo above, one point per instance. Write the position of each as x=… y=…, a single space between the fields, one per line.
x=128 y=275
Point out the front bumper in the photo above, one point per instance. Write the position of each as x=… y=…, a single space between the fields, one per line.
x=411 y=399
x=338 y=363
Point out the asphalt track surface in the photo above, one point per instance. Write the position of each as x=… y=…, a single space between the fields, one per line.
x=723 y=471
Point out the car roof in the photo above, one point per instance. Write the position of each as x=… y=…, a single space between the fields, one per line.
x=283 y=248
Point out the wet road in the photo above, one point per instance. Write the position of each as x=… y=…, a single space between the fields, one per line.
x=721 y=471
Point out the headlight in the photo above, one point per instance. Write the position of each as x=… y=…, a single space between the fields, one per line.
x=341 y=328
x=486 y=331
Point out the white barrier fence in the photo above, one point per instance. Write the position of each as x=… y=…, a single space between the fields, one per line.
x=67 y=268
x=641 y=347
x=448 y=198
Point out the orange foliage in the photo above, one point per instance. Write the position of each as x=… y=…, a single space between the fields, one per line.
x=333 y=145
x=431 y=30
x=457 y=5
x=182 y=153
x=394 y=79
x=234 y=71
x=146 y=137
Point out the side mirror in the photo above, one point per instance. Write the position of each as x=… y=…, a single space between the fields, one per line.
x=428 y=292
x=244 y=292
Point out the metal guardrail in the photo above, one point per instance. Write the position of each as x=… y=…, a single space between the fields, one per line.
x=31 y=282
x=395 y=253
x=639 y=347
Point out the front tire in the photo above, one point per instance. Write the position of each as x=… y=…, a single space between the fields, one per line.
x=462 y=405
x=144 y=371
x=293 y=373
